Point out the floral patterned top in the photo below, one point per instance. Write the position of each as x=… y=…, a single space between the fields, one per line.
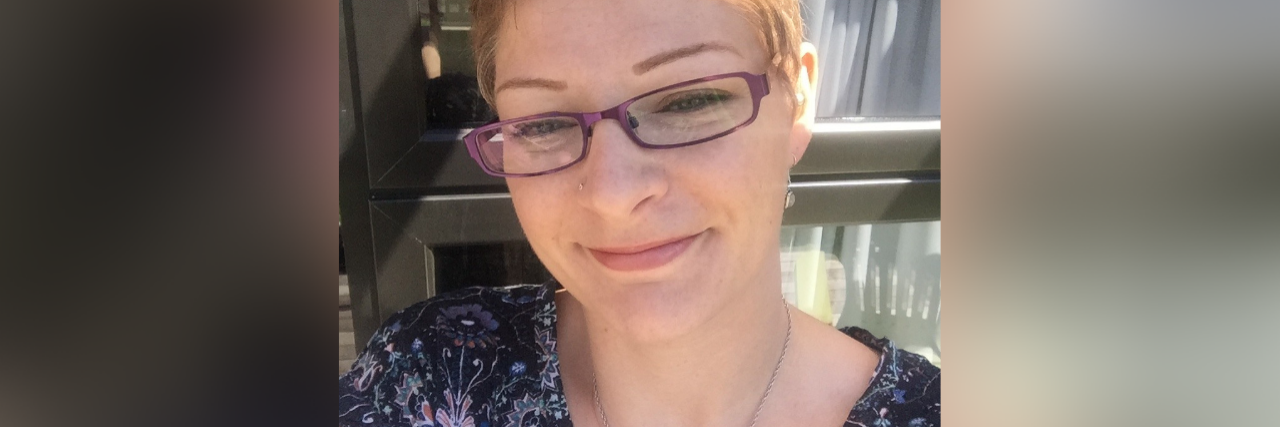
x=486 y=357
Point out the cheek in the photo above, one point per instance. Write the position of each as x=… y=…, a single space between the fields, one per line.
x=537 y=209
x=758 y=180
x=544 y=216
x=743 y=175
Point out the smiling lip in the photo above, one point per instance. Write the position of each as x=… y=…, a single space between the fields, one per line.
x=642 y=257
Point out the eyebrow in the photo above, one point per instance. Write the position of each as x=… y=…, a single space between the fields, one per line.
x=525 y=82
x=680 y=53
x=640 y=67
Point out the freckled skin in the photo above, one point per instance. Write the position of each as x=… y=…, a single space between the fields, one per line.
x=731 y=189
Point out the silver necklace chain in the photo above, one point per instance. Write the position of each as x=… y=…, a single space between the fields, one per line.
x=595 y=387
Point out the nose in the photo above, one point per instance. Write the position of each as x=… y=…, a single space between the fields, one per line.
x=619 y=177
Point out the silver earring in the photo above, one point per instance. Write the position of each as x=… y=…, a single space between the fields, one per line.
x=791 y=196
x=580 y=186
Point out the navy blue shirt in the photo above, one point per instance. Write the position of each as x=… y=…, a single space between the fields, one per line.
x=486 y=357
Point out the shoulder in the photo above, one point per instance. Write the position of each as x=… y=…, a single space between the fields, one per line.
x=419 y=358
x=906 y=389
x=470 y=317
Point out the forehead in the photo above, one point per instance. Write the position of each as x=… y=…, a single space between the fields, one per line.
x=581 y=41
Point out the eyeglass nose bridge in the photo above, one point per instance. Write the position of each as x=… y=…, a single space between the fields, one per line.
x=618 y=113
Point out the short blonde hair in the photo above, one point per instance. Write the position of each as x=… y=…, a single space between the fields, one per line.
x=777 y=21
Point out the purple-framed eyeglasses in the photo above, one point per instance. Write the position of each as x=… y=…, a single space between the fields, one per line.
x=679 y=115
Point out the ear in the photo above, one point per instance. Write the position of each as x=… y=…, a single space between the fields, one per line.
x=805 y=86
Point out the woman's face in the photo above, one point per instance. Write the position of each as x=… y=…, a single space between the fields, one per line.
x=653 y=241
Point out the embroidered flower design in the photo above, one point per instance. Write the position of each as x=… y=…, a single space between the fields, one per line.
x=364 y=372
x=510 y=298
x=882 y=421
x=424 y=417
x=467 y=325
x=527 y=405
x=409 y=384
x=455 y=415
x=551 y=370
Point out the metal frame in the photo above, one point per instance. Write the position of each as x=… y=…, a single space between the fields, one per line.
x=353 y=184
x=405 y=189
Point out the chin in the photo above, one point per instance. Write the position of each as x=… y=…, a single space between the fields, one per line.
x=663 y=304
x=664 y=311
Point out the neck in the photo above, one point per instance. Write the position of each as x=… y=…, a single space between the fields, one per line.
x=714 y=374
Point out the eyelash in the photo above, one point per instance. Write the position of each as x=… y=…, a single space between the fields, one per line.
x=554 y=125
x=706 y=96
